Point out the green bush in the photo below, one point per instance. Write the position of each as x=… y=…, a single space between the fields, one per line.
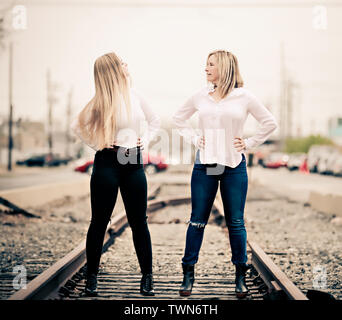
x=304 y=144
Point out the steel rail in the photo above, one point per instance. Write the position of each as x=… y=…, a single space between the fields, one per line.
x=273 y=277
x=46 y=285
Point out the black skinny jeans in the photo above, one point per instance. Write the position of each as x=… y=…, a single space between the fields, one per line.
x=108 y=175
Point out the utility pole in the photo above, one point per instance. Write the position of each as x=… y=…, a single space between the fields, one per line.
x=10 y=118
x=283 y=98
x=287 y=86
x=18 y=22
x=290 y=85
x=299 y=116
x=51 y=100
x=68 y=119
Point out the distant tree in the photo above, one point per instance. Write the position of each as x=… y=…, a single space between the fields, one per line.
x=304 y=144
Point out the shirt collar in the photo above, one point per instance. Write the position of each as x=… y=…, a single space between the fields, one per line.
x=209 y=88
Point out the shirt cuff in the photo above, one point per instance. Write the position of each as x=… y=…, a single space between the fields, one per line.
x=145 y=141
x=247 y=146
x=195 y=140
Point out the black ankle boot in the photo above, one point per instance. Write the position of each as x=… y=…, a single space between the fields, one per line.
x=241 y=289
x=188 y=280
x=146 y=285
x=91 y=285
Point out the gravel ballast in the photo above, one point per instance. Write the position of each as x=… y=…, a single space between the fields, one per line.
x=302 y=241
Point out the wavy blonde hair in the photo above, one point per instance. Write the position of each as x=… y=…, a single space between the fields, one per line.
x=97 y=120
x=229 y=73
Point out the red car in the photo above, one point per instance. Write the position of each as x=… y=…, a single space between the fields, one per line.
x=152 y=164
x=276 y=160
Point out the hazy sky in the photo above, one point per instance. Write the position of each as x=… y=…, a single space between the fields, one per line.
x=166 y=49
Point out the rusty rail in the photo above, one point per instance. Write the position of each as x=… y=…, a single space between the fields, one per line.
x=47 y=284
x=276 y=280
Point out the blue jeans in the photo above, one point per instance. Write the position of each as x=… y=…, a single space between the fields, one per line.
x=233 y=187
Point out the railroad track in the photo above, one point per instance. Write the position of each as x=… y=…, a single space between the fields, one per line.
x=265 y=280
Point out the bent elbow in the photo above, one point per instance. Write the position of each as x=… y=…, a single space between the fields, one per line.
x=272 y=124
x=275 y=125
x=157 y=122
x=175 y=120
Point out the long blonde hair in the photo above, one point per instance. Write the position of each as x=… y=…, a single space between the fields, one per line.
x=97 y=120
x=229 y=73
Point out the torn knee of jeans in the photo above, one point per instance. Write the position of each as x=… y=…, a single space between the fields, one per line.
x=236 y=223
x=196 y=224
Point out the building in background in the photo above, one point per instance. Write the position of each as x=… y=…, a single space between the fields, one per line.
x=30 y=137
x=335 y=129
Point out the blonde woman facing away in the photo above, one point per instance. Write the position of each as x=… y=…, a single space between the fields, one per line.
x=223 y=107
x=110 y=124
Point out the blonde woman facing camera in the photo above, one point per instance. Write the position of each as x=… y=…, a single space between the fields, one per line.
x=110 y=124
x=223 y=107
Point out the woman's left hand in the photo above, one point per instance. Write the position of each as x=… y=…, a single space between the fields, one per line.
x=140 y=144
x=239 y=144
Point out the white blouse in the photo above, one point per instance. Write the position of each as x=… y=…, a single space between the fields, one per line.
x=220 y=122
x=127 y=132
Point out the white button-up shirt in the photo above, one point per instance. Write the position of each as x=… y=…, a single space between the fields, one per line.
x=127 y=132
x=220 y=122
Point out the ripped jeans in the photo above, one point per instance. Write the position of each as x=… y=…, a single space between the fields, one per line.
x=204 y=186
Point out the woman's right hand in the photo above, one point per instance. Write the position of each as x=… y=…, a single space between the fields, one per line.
x=201 y=142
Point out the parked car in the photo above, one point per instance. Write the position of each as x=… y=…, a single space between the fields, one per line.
x=335 y=158
x=152 y=164
x=337 y=166
x=56 y=160
x=276 y=160
x=313 y=157
x=326 y=160
x=43 y=159
x=318 y=156
x=296 y=159
x=85 y=167
x=33 y=160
